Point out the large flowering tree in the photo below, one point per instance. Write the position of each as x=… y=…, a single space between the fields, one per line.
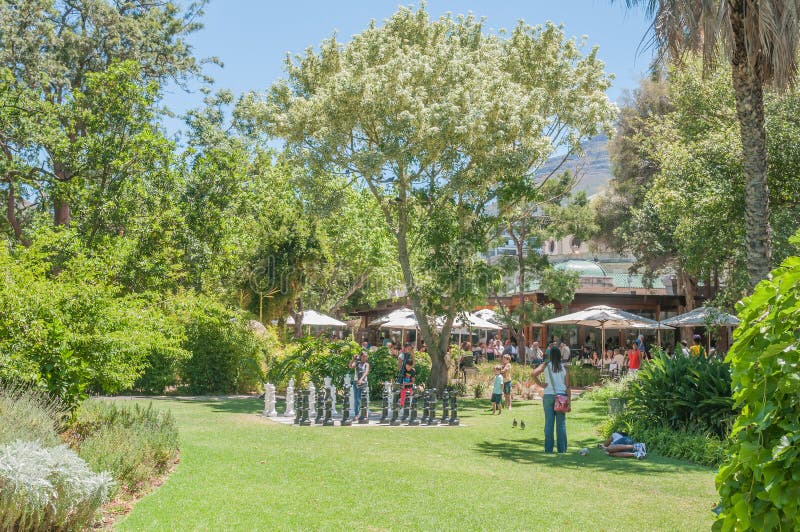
x=442 y=121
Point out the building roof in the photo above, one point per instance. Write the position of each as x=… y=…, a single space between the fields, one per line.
x=584 y=268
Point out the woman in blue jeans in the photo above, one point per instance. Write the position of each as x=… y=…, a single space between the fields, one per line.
x=557 y=378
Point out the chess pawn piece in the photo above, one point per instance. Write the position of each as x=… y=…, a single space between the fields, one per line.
x=413 y=421
x=445 y=400
x=363 y=416
x=320 y=406
x=396 y=409
x=346 y=421
x=426 y=407
x=272 y=400
x=304 y=421
x=384 y=407
x=454 y=421
x=289 y=412
x=432 y=420
x=328 y=421
x=348 y=386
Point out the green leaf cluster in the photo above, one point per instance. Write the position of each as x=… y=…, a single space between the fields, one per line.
x=759 y=483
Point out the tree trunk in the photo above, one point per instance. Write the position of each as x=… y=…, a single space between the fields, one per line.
x=61 y=212
x=749 y=96
x=689 y=291
x=298 y=319
x=12 y=215
x=521 y=332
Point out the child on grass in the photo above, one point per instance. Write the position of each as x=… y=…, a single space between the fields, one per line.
x=497 y=391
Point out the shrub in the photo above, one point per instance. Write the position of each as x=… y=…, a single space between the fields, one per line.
x=48 y=489
x=759 y=482
x=134 y=443
x=479 y=389
x=312 y=359
x=610 y=389
x=226 y=357
x=580 y=377
x=684 y=392
x=459 y=387
x=29 y=414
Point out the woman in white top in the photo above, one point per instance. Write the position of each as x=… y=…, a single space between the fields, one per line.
x=557 y=379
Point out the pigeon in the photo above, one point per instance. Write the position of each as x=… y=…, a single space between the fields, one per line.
x=522 y=424
x=514 y=424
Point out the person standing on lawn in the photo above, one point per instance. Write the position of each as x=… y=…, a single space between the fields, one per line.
x=497 y=391
x=361 y=367
x=506 y=371
x=557 y=379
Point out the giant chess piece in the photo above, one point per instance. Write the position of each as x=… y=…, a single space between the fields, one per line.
x=426 y=407
x=320 y=407
x=445 y=400
x=396 y=408
x=413 y=421
x=432 y=420
x=346 y=421
x=304 y=421
x=454 y=421
x=328 y=421
x=348 y=385
x=384 y=407
x=363 y=416
x=333 y=394
x=289 y=412
x=312 y=400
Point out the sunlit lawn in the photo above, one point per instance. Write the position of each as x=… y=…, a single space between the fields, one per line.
x=239 y=471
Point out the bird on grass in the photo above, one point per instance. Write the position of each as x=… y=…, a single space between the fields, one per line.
x=514 y=424
x=522 y=424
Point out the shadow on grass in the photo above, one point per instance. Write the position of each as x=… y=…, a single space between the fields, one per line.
x=531 y=451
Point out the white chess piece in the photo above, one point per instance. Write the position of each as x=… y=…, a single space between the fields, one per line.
x=272 y=401
x=290 y=399
x=312 y=400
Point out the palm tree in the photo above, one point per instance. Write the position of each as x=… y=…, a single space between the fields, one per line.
x=759 y=38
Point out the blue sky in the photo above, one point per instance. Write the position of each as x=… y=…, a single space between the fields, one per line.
x=252 y=37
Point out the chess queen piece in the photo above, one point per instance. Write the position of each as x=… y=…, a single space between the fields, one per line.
x=445 y=401
x=304 y=421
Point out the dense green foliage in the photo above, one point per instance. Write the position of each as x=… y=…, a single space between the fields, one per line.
x=758 y=483
x=44 y=489
x=683 y=393
x=135 y=443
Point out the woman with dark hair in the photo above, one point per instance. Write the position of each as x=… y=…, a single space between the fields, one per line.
x=557 y=379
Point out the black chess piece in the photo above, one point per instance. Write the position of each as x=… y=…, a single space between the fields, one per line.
x=454 y=421
x=432 y=419
x=445 y=401
x=298 y=406
x=384 y=407
x=412 y=420
x=328 y=420
x=396 y=410
x=406 y=405
x=304 y=421
x=363 y=416
x=426 y=407
x=319 y=405
x=346 y=421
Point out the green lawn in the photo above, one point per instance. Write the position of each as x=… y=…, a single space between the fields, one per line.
x=239 y=471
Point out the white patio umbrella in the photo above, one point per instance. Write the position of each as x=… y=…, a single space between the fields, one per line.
x=317 y=319
x=603 y=317
x=403 y=319
x=703 y=317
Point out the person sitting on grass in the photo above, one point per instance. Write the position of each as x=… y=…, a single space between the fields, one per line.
x=620 y=445
x=497 y=391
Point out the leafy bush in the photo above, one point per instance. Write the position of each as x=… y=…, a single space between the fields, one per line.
x=28 y=414
x=479 y=389
x=226 y=357
x=580 y=377
x=77 y=331
x=134 y=443
x=684 y=392
x=759 y=482
x=459 y=387
x=48 y=489
x=312 y=359
x=611 y=389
